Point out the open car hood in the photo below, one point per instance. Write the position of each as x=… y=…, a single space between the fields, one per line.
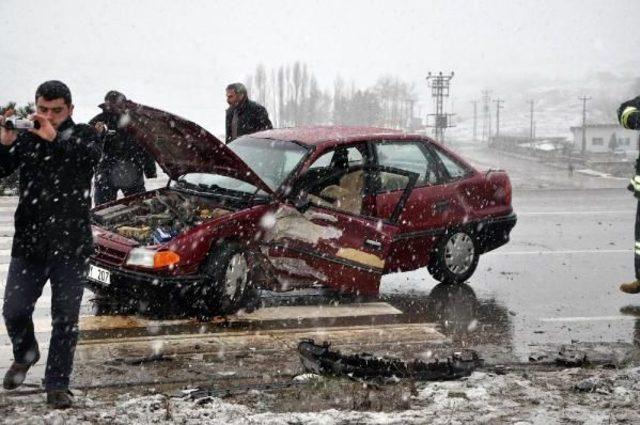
x=181 y=146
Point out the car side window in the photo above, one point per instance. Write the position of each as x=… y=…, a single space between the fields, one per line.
x=454 y=168
x=409 y=156
x=323 y=162
x=338 y=158
x=336 y=180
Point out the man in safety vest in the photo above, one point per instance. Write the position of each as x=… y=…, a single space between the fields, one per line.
x=629 y=117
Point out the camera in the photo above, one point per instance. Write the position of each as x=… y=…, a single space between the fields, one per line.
x=15 y=123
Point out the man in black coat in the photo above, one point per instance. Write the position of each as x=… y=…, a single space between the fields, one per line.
x=53 y=240
x=244 y=116
x=123 y=160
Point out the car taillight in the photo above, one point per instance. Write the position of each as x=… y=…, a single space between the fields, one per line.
x=501 y=186
x=507 y=189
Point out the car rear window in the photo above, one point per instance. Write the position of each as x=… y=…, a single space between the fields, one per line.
x=454 y=168
x=409 y=156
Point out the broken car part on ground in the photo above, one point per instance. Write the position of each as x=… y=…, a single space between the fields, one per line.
x=321 y=360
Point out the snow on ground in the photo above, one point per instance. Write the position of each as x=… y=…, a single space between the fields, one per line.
x=524 y=397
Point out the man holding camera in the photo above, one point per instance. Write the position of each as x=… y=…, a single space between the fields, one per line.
x=629 y=117
x=123 y=161
x=53 y=241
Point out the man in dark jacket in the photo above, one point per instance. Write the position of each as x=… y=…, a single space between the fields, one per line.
x=52 y=239
x=244 y=116
x=123 y=160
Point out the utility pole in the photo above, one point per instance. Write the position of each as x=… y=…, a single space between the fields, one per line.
x=534 y=130
x=584 y=124
x=475 y=120
x=499 y=106
x=486 y=115
x=531 y=122
x=439 y=90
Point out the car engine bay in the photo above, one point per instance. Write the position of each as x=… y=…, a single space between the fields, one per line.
x=159 y=218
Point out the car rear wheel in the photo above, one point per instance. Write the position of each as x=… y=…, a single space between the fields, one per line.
x=455 y=258
x=229 y=280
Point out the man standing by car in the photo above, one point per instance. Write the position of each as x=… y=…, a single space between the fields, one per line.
x=56 y=160
x=629 y=117
x=123 y=161
x=244 y=116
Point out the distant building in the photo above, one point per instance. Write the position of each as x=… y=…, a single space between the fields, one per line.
x=546 y=147
x=604 y=138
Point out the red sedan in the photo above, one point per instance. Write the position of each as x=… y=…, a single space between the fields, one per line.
x=335 y=207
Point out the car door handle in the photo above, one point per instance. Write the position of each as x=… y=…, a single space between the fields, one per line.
x=441 y=206
x=372 y=244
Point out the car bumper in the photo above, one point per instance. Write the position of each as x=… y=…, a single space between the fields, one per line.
x=126 y=285
x=494 y=232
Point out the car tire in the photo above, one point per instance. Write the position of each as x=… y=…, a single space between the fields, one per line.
x=228 y=285
x=455 y=258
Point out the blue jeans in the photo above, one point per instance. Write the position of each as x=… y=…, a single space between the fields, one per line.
x=25 y=281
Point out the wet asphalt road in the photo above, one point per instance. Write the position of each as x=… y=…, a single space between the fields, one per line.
x=554 y=283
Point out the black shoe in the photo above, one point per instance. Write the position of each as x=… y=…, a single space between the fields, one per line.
x=59 y=399
x=17 y=373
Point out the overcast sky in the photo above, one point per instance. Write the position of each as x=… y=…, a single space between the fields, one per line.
x=179 y=55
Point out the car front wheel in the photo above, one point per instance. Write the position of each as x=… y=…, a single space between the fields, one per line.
x=229 y=280
x=455 y=258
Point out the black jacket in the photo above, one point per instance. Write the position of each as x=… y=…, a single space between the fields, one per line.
x=52 y=218
x=120 y=147
x=252 y=117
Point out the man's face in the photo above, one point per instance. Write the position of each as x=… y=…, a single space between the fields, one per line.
x=233 y=98
x=55 y=111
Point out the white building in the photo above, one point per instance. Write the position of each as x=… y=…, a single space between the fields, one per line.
x=603 y=138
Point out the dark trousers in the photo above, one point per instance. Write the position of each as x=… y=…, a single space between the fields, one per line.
x=105 y=191
x=637 y=246
x=25 y=281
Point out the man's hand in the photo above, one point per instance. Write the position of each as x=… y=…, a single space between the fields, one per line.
x=46 y=130
x=7 y=137
x=100 y=127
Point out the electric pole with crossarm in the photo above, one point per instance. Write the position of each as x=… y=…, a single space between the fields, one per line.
x=439 y=90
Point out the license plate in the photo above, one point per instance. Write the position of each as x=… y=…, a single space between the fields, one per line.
x=99 y=274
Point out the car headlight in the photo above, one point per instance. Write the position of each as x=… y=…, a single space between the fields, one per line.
x=143 y=257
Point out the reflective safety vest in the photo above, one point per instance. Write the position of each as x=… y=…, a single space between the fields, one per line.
x=630 y=118
x=634 y=185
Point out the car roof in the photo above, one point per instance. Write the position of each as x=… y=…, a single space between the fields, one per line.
x=321 y=135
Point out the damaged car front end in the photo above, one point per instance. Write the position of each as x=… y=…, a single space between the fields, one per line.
x=190 y=248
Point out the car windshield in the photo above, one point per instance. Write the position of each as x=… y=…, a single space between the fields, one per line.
x=272 y=160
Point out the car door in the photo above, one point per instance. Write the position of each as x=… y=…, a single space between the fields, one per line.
x=430 y=210
x=330 y=242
